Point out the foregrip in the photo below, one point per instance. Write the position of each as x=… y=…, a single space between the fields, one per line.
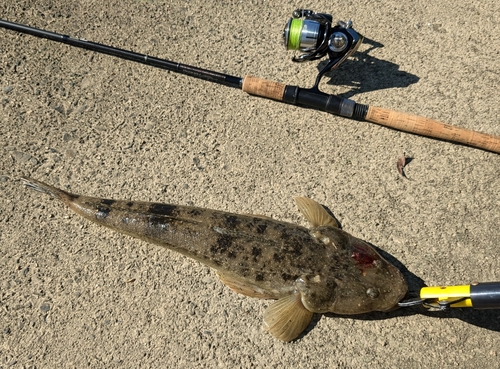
x=262 y=87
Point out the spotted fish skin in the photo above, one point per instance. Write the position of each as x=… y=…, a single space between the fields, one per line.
x=322 y=269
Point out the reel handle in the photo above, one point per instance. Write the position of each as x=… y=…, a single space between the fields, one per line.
x=314 y=98
x=432 y=128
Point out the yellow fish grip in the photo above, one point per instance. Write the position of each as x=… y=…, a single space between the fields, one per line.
x=446 y=296
x=476 y=295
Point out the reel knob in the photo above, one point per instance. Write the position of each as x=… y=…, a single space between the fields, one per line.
x=338 y=42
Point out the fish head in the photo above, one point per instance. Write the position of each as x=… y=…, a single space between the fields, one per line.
x=370 y=283
x=357 y=279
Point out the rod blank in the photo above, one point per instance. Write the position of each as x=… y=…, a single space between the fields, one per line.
x=189 y=70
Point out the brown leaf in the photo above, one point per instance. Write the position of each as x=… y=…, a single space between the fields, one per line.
x=402 y=161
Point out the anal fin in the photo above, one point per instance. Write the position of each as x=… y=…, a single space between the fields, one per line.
x=243 y=288
x=287 y=318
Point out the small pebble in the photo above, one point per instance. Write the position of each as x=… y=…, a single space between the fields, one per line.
x=20 y=156
x=59 y=108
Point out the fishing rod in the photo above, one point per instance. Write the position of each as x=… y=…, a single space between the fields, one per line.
x=316 y=35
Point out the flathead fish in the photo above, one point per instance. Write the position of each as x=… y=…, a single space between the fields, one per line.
x=317 y=270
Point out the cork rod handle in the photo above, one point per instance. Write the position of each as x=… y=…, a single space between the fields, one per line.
x=262 y=87
x=432 y=128
x=389 y=118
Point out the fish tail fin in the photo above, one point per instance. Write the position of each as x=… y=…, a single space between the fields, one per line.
x=39 y=186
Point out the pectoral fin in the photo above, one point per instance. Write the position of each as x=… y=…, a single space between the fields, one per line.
x=315 y=213
x=287 y=318
x=242 y=287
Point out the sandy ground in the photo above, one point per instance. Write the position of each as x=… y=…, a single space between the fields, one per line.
x=75 y=295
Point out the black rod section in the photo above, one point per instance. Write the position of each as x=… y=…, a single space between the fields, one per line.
x=310 y=98
x=485 y=295
x=207 y=75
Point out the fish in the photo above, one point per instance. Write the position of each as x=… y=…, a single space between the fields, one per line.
x=321 y=269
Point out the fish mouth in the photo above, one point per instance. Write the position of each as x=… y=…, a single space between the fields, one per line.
x=401 y=298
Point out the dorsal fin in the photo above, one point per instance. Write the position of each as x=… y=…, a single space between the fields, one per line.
x=315 y=213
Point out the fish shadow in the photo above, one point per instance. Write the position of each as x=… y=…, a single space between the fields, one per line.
x=487 y=319
x=364 y=73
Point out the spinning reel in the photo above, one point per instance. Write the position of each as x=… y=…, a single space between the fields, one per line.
x=314 y=34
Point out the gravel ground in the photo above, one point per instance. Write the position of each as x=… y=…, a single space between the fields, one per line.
x=73 y=294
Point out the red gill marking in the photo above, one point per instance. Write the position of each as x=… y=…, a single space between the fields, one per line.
x=364 y=256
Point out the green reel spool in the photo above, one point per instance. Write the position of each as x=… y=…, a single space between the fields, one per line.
x=301 y=34
x=294 y=34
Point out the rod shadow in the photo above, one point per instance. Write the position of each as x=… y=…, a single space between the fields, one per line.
x=365 y=73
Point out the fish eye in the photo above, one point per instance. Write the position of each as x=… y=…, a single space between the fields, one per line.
x=372 y=292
